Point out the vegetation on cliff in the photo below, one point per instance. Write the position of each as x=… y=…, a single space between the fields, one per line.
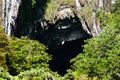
x=53 y=5
x=24 y=59
x=101 y=55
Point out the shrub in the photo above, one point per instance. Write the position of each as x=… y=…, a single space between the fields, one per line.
x=26 y=54
x=101 y=56
x=4 y=74
x=39 y=74
x=32 y=74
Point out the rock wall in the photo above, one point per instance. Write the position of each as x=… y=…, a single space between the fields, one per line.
x=1 y=10
x=55 y=10
x=86 y=11
x=10 y=11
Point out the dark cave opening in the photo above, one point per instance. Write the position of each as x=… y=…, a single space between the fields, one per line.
x=64 y=41
x=62 y=54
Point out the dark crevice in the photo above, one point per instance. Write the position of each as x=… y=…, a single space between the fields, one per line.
x=28 y=16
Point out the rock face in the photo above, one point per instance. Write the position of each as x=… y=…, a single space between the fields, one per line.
x=10 y=11
x=1 y=11
x=85 y=10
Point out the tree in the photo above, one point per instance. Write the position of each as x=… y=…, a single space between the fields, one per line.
x=26 y=54
x=101 y=55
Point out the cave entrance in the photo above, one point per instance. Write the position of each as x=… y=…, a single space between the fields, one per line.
x=62 y=54
x=64 y=39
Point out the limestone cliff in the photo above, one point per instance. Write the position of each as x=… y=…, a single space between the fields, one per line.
x=55 y=10
x=86 y=11
x=1 y=12
x=9 y=14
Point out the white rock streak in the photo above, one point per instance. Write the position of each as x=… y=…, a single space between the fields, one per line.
x=10 y=8
x=113 y=1
x=100 y=4
x=77 y=4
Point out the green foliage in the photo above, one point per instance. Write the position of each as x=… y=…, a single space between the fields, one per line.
x=4 y=48
x=4 y=74
x=100 y=61
x=39 y=74
x=32 y=74
x=105 y=17
x=117 y=5
x=101 y=55
x=53 y=5
x=73 y=75
x=26 y=59
x=70 y=2
x=3 y=38
x=26 y=54
x=51 y=9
